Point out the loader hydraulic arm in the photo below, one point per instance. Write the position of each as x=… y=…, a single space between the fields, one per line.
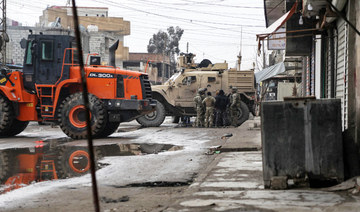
x=4 y=72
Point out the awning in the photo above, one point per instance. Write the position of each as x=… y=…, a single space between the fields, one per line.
x=269 y=72
x=277 y=24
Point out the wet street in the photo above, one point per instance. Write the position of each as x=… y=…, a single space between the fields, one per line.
x=169 y=168
x=158 y=161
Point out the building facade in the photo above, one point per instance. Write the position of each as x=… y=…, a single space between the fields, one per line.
x=326 y=38
x=156 y=65
x=98 y=30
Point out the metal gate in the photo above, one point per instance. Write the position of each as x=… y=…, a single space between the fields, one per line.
x=341 y=80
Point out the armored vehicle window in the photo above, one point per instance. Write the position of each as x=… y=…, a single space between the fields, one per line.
x=47 y=50
x=28 y=54
x=188 y=80
x=211 y=79
x=173 y=78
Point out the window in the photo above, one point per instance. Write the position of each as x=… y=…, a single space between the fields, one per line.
x=29 y=54
x=188 y=80
x=120 y=86
x=47 y=50
x=74 y=56
x=211 y=79
x=192 y=79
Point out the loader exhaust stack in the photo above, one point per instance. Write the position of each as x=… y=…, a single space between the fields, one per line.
x=112 y=50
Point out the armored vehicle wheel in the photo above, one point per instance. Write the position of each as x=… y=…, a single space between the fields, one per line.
x=9 y=125
x=153 y=119
x=72 y=117
x=243 y=113
x=74 y=161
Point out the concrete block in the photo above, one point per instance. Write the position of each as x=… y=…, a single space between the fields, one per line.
x=301 y=137
x=357 y=183
x=278 y=182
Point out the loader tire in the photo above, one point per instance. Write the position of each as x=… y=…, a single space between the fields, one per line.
x=9 y=125
x=109 y=129
x=153 y=119
x=72 y=117
x=243 y=112
x=5 y=168
x=17 y=127
x=74 y=161
x=7 y=116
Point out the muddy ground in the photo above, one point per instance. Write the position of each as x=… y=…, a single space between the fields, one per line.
x=130 y=189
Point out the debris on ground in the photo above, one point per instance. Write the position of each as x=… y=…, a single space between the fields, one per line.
x=254 y=126
x=227 y=135
x=352 y=184
x=110 y=200
x=213 y=149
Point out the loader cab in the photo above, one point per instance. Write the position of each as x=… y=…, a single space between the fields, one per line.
x=43 y=60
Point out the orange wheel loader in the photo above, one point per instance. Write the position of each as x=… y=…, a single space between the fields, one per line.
x=48 y=89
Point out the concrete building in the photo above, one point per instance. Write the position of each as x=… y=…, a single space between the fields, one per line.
x=99 y=32
x=103 y=30
x=156 y=65
x=325 y=39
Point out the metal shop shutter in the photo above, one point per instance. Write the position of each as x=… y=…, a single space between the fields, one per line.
x=341 y=86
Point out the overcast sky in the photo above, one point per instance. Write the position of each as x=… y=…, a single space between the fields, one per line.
x=211 y=27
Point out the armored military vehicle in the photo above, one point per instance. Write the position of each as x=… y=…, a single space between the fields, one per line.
x=175 y=96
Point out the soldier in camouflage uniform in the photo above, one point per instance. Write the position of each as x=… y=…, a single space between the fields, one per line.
x=209 y=103
x=234 y=105
x=200 y=110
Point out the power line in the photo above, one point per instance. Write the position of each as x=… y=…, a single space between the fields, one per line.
x=180 y=19
x=252 y=33
x=169 y=17
x=191 y=31
x=208 y=3
x=224 y=5
x=202 y=12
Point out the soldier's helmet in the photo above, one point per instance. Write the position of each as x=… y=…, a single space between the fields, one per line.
x=201 y=91
x=233 y=89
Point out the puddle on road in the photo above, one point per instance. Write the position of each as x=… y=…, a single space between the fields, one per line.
x=54 y=159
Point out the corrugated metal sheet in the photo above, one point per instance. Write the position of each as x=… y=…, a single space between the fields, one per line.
x=329 y=82
x=341 y=78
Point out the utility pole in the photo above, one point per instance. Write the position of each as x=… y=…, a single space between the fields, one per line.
x=187 y=48
x=263 y=50
x=163 y=66
x=239 y=56
x=3 y=33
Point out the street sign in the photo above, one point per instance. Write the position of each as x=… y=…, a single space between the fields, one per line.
x=277 y=41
